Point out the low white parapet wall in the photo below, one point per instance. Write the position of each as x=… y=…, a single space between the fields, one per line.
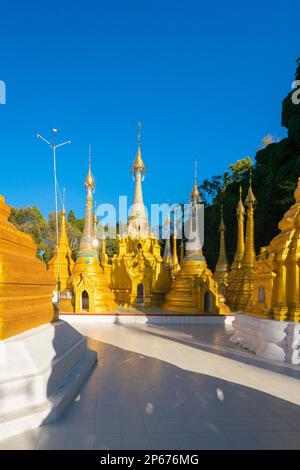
x=142 y=319
x=40 y=372
x=270 y=339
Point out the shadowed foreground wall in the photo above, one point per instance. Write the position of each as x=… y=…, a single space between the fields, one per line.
x=26 y=286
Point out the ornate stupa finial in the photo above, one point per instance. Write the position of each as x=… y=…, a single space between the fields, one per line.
x=232 y=279
x=240 y=207
x=249 y=252
x=63 y=201
x=139 y=133
x=138 y=164
x=250 y=199
x=222 y=227
x=195 y=194
x=90 y=291
x=89 y=181
x=137 y=224
x=87 y=247
x=62 y=263
x=176 y=265
x=240 y=213
x=168 y=260
x=221 y=271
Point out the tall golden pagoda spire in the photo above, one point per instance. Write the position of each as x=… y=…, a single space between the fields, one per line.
x=168 y=260
x=91 y=293
x=244 y=295
x=63 y=269
x=138 y=274
x=137 y=222
x=249 y=252
x=221 y=270
x=176 y=265
x=195 y=194
x=240 y=213
x=232 y=280
x=194 y=290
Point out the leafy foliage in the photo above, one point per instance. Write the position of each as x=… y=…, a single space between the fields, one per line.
x=30 y=220
x=274 y=178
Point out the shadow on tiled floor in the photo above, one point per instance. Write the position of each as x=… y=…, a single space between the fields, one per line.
x=132 y=401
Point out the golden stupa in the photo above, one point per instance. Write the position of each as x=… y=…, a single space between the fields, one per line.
x=62 y=263
x=138 y=275
x=194 y=290
x=26 y=287
x=276 y=271
x=87 y=290
x=244 y=296
x=221 y=269
x=175 y=261
x=232 y=279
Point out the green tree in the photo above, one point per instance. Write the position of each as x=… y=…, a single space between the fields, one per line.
x=30 y=220
x=274 y=178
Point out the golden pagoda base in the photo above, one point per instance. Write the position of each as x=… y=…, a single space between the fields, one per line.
x=87 y=280
x=280 y=312
x=139 y=276
x=194 y=290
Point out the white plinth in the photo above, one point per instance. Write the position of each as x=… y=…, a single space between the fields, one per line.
x=142 y=319
x=40 y=372
x=270 y=339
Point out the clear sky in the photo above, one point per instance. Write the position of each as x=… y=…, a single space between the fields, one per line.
x=205 y=78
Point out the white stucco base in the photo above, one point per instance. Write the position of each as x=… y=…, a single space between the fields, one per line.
x=142 y=319
x=270 y=339
x=40 y=371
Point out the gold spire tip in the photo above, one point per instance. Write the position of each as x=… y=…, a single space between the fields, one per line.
x=139 y=133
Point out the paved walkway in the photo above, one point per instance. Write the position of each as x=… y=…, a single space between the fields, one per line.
x=175 y=387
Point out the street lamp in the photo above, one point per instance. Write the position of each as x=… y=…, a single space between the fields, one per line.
x=54 y=146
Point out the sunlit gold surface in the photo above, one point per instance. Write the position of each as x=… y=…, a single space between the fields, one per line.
x=176 y=265
x=232 y=279
x=194 y=282
x=138 y=264
x=244 y=275
x=26 y=286
x=62 y=261
x=276 y=270
x=221 y=270
x=88 y=276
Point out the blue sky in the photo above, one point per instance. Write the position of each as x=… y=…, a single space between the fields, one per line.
x=205 y=78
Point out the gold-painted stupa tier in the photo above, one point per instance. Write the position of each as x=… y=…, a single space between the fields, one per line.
x=26 y=287
x=182 y=296
x=276 y=277
x=222 y=266
x=62 y=263
x=87 y=290
x=194 y=289
x=138 y=275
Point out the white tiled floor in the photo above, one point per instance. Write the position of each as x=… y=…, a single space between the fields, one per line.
x=175 y=387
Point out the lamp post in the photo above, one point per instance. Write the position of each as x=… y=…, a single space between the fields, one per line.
x=54 y=146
